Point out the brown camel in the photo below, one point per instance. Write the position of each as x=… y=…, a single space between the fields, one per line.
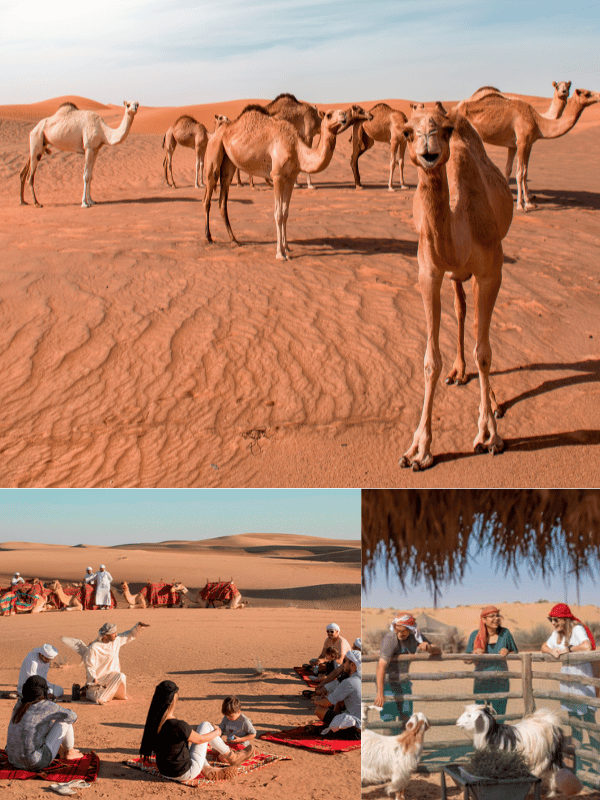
x=75 y=131
x=188 y=132
x=271 y=148
x=70 y=601
x=133 y=600
x=462 y=209
x=184 y=596
x=385 y=126
x=512 y=123
x=303 y=116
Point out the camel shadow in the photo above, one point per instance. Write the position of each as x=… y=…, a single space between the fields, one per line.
x=564 y=198
x=147 y=200
x=362 y=245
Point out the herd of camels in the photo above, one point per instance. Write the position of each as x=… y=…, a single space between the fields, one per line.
x=462 y=207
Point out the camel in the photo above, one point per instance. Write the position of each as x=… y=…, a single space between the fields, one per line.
x=557 y=105
x=70 y=601
x=74 y=131
x=188 y=132
x=462 y=209
x=513 y=123
x=385 y=125
x=185 y=599
x=303 y=116
x=134 y=600
x=271 y=148
x=221 y=594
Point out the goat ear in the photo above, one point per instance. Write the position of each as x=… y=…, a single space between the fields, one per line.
x=480 y=723
x=410 y=725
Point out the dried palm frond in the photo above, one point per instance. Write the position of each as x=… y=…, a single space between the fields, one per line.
x=426 y=534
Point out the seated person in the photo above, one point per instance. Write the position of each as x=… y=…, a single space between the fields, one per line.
x=39 y=730
x=341 y=710
x=235 y=726
x=37 y=662
x=335 y=640
x=332 y=678
x=180 y=750
x=16 y=579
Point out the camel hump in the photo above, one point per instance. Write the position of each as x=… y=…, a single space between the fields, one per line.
x=68 y=107
x=285 y=96
x=185 y=118
x=254 y=107
x=487 y=89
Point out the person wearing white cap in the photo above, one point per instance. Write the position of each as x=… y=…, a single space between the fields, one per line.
x=37 y=662
x=334 y=639
x=341 y=712
x=104 y=679
x=16 y=578
x=103 y=581
x=89 y=575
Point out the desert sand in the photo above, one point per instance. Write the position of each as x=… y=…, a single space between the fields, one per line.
x=135 y=355
x=209 y=653
x=517 y=616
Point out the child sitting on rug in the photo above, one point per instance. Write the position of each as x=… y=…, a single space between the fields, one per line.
x=180 y=749
x=39 y=729
x=235 y=726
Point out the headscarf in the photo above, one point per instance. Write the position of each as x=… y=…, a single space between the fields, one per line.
x=332 y=627
x=35 y=688
x=356 y=657
x=562 y=611
x=49 y=651
x=108 y=627
x=482 y=637
x=357 y=644
x=161 y=700
x=407 y=621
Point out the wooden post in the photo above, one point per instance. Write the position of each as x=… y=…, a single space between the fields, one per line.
x=527 y=680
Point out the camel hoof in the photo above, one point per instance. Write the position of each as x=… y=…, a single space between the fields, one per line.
x=391 y=189
x=23 y=203
x=404 y=462
x=208 y=240
x=359 y=188
x=499 y=412
x=310 y=186
x=38 y=205
x=480 y=448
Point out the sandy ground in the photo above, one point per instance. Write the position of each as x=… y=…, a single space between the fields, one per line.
x=135 y=355
x=208 y=653
x=517 y=616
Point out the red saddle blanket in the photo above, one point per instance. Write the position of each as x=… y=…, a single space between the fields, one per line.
x=160 y=594
x=221 y=590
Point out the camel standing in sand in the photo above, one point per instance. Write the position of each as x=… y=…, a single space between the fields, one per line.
x=512 y=123
x=271 y=148
x=462 y=209
x=74 y=131
x=134 y=600
x=385 y=125
x=70 y=601
x=188 y=132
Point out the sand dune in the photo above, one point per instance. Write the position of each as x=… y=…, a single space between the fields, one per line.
x=135 y=355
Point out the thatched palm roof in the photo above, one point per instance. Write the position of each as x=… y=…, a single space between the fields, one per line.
x=426 y=534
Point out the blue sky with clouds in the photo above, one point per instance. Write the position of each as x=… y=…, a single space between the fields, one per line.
x=121 y=516
x=184 y=52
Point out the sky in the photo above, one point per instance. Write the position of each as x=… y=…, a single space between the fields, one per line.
x=483 y=584
x=184 y=52
x=111 y=517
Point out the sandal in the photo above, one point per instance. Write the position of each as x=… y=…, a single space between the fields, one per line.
x=308 y=693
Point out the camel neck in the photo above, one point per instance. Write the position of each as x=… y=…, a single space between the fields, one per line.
x=312 y=161
x=557 y=106
x=436 y=216
x=118 y=135
x=553 y=128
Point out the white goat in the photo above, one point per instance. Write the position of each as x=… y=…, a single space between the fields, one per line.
x=395 y=758
x=538 y=737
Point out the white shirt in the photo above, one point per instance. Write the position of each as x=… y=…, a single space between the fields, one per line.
x=349 y=692
x=32 y=665
x=578 y=635
x=102 y=658
x=103 y=581
x=16 y=580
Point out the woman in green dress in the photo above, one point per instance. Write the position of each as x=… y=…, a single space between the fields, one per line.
x=492 y=637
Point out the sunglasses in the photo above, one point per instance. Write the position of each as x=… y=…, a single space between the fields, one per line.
x=554 y=619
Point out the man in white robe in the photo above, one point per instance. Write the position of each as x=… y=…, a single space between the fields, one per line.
x=103 y=581
x=37 y=662
x=104 y=679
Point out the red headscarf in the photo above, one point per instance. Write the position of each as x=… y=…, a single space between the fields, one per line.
x=481 y=639
x=562 y=611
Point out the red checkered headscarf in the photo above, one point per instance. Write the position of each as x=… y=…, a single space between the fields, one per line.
x=481 y=639
x=562 y=611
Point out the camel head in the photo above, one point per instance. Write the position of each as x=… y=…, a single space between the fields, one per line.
x=131 y=108
x=416 y=108
x=428 y=138
x=220 y=119
x=334 y=121
x=584 y=98
x=439 y=107
x=562 y=89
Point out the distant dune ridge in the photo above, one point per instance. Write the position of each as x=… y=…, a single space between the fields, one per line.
x=136 y=355
x=313 y=572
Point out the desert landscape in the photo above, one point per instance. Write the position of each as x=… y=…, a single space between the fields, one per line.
x=136 y=355
x=522 y=619
x=296 y=586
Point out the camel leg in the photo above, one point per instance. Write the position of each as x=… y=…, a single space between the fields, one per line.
x=279 y=188
x=90 y=201
x=361 y=142
x=524 y=202
x=227 y=173
x=199 y=168
x=485 y=292
x=509 y=162
x=458 y=372
x=402 y=148
x=238 y=176
x=24 y=175
x=213 y=168
x=397 y=148
x=86 y=201
x=418 y=455
x=525 y=166
x=287 y=196
x=28 y=173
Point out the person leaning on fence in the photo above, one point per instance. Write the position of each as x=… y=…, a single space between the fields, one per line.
x=570 y=635
x=491 y=638
x=404 y=638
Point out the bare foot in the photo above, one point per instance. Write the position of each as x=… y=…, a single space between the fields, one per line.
x=73 y=755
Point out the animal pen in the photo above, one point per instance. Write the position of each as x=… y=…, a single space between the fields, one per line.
x=534 y=672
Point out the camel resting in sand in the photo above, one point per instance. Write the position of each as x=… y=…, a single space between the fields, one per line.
x=75 y=131
x=509 y=122
x=134 y=600
x=220 y=594
x=70 y=601
x=271 y=148
x=462 y=210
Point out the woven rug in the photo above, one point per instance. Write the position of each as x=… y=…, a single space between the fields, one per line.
x=59 y=771
x=309 y=736
x=307 y=677
x=160 y=594
x=258 y=761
